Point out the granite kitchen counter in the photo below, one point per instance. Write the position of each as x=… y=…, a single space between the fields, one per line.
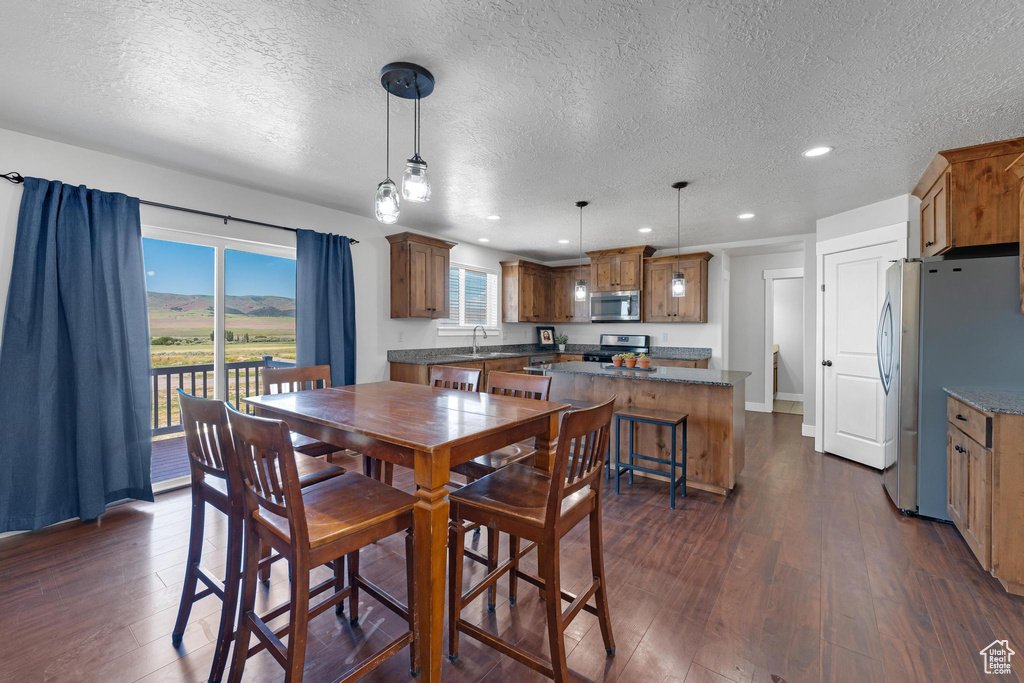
x=722 y=378
x=442 y=356
x=1006 y=401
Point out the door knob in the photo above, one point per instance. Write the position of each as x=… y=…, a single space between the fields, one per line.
x=827 y=363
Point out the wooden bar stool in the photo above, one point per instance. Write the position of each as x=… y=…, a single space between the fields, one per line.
x=661 y=418
x=527 y=503
x=215 y=481
x=288 y=380
x=318 y=525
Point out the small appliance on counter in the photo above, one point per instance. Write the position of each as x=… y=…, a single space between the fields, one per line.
x=611 y=307
x=612 y=344
x=949 y=323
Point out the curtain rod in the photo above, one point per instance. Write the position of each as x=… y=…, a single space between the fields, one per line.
x=17 y=179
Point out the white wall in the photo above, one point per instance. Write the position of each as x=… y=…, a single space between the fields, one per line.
x=788 y=331
x=746 y=334
x=810 y=333
x=33 y=156
x=903 y=208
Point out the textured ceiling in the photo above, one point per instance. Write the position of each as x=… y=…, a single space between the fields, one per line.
x=535 y=106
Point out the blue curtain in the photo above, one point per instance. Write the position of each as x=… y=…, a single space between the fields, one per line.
x=325 y=304
x=74 y=361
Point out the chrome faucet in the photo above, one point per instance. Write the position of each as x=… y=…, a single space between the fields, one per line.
x=475 y=346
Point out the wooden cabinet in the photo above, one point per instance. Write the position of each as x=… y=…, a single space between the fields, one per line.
x=613 y=270
x=985 y=488
x=564 y=307
x=526 y=295
x=1016 y=167
x=659 y=304
x=419 y=276
x=679 y=363
x=420 y=374
x=969 y=197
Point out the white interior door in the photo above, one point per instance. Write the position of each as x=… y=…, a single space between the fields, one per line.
x=854 y=400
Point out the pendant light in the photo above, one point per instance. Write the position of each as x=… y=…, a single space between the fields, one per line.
x=678 y=279
x=410 y=82
x=386 y=206
x=580 y=289
x=415 y=184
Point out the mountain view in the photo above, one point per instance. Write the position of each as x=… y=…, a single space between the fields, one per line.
x=253 y=306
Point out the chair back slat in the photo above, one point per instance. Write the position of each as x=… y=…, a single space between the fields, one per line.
x=519 y=385
x=268 y=471
x=582 y=445
x=290 y=380
x=448 y=377
x=207 y=437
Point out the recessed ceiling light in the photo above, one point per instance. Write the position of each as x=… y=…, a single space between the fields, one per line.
x=644 y=230
x=483 y=239
x=563 y=241
x=745 y=216
x=493 y=218
x=816 y=151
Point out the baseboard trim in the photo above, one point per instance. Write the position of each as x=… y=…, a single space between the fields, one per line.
x=758 y=407
x=807 y=430
x=789 y=397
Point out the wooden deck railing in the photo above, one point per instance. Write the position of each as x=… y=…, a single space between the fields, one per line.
x=243 y=380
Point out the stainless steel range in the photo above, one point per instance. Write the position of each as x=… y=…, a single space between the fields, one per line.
x=612 y=344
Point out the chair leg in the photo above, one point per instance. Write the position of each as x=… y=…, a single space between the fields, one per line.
x=353 y=598
x=265 y=570
x=299 y=621
x=492 y=564
x=553 y=605
x=246 y=607
x=339 y=584
x=513 y=577
x=195 y=555
x=410 y=580
x=232 y=577
x=597 y=567
x=456 y=552
x=618 y=456
x=632 y=425
x=389 y=473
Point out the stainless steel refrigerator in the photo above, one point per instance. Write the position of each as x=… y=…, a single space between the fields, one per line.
x=954 y=322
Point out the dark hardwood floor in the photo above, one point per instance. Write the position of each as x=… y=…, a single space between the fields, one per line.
x=805 y=573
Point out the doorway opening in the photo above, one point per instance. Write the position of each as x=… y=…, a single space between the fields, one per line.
x=784 y=340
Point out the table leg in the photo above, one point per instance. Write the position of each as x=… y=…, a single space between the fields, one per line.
x=547 y=442
x=430 y=517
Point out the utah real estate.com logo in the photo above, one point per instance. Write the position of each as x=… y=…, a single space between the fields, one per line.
x=996 y=656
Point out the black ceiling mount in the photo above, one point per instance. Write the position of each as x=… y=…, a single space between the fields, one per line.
x=680 y=185
x=581 y=204
x=407 y=80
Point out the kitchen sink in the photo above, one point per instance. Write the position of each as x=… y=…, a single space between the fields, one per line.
x=484 y=356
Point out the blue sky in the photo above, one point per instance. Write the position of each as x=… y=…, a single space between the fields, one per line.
x=179 y=268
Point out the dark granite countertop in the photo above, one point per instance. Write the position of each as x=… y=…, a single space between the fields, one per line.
x=723 y=378
x=456 y=354
x=1008 y=401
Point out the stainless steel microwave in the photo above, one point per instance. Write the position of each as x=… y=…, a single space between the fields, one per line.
x=615 y=306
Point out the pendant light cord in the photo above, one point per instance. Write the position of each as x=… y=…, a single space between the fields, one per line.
x=678 y=213
x=387 y=135
x=579 y=274
x=416 y=135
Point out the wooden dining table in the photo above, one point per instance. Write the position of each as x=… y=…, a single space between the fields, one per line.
x=429 y=430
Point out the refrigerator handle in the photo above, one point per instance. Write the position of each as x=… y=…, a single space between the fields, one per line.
x=886 y=309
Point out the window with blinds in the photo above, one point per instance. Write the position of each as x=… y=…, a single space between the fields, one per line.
x=472 y=298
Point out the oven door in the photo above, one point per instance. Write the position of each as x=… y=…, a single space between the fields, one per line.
x=615 y=306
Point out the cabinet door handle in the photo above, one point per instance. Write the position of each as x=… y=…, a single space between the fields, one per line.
x=959 y=449
x=961 y=417
x=928 y=244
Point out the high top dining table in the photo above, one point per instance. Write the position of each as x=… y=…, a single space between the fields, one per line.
x=429 y=430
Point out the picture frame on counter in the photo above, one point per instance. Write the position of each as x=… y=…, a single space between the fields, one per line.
x=545 y=335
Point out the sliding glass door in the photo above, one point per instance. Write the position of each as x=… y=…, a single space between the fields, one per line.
x=220 y=312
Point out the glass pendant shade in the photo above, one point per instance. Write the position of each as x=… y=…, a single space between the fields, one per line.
x=386 y=206
x=678 y=285
x=581 y=290
x=415 y=185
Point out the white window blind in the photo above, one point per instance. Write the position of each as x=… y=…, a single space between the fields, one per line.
x=472 y=298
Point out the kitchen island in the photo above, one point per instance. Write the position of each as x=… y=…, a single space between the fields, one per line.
x=713 y=399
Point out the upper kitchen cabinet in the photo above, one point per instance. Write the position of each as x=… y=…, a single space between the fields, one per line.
x=419 y=276
x=564 y=307
x=659 y=304
x=969 y=197
x=614 y=270
x=1016 y=168
x=525 y=292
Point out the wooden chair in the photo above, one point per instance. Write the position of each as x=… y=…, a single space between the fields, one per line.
x=319 y=525
x=215 y=481
x=527 y=503
x=288 y=380
x=449 y=377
